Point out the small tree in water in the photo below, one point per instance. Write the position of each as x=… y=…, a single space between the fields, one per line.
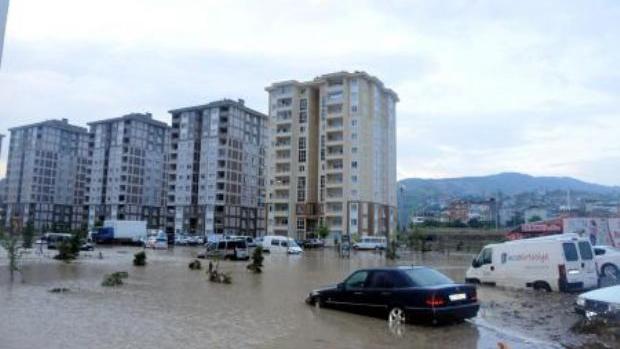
x=139 y=259
x=28 y=236
x=10 y=242
x=323 y=231
x=257 y=260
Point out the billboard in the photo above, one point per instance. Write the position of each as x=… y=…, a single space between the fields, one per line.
x=600 y=231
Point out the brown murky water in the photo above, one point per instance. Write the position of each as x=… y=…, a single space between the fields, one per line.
x=166 y=305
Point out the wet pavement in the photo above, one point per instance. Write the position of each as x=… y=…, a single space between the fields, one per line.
x=166 y=305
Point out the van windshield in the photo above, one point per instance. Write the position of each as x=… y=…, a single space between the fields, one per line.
x=585 y=250
x=570 y=252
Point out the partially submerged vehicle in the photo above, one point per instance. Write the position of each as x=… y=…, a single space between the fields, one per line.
x=280 y=244
x=608 y=261
x=552 y=263
x=604 y=302
x=401 y=294
x=235 y=249
x=371 y=243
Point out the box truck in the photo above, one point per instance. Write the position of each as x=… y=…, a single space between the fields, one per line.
x=121 y=231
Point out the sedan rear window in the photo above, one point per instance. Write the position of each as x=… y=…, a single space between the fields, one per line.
x=585 y=250
x=423 y=277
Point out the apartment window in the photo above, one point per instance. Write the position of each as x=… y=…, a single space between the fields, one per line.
x=302 y=156
x=354 y=150
x=335 y=108
x=354 y=123
x=353 y=164
x=303 y=117
x=354 y=108
x=302 y=143
x=353 y=179
x=303 y=104
x=301 y=189
x=353 y=135
x=301 y=224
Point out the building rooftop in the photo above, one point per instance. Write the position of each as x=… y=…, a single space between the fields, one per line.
x=146 y=117
x=325 y=77
x=240 y=103
x=55 y=123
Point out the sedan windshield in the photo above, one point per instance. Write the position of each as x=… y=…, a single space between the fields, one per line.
x=423 y=277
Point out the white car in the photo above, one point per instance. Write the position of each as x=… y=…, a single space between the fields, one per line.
x=608 y=260
x=602 y=302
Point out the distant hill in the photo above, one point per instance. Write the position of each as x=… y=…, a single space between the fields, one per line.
x=417 y=192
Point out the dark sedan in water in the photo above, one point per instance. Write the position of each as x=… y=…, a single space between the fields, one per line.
x=402 y=294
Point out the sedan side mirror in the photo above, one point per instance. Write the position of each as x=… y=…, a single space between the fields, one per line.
x=340 y=286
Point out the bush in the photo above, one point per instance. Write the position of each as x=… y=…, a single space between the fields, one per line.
x=114 y=279
x=139 y=259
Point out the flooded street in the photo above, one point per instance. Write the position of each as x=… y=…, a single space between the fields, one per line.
x=166 y=305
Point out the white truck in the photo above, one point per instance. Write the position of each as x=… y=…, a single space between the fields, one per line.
x=121 y=231
x=553 y=263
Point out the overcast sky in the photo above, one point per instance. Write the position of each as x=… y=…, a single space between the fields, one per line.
x=485 y=86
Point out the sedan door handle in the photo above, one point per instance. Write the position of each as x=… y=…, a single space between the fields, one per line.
x=358 y=293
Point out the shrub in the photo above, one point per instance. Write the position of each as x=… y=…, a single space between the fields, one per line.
x=139 y=259
x=195 y=265
x=114 y=279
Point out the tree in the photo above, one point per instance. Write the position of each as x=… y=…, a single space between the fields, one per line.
x=534 y=218
x=323 y=231
x=10 y=242
x=28 y=235
x=257 y=260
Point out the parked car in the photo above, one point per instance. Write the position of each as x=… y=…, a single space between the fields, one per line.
x=54 y=239
x=248 y=239
x=282 y=244
x=313 y=243
x=229 y=249
x=371 y=243
x=87 y=246
x=401 y=294
x=159 y=242
x=602 y=302
x=552 y=263
x=608 y=261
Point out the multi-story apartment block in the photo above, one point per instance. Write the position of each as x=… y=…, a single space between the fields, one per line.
x=46 y=176
x=332 y=159
x=127 y=173
x=216 y=169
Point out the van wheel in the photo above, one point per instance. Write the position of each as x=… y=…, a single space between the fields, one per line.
x=542 y=286
x=610 y=271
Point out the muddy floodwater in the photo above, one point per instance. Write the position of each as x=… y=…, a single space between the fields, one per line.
x=166 y=305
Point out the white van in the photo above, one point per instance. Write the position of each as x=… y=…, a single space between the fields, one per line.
x=282 y=244
x=552 y=263
x=371 y=243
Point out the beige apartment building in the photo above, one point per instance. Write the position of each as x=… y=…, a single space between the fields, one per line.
x=332 y=157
